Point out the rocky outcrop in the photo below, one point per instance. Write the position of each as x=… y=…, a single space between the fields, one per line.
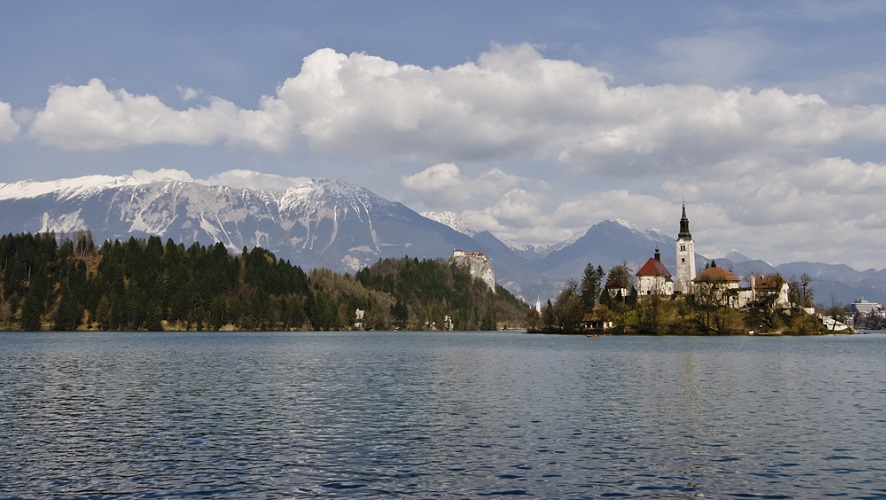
x=478 y=265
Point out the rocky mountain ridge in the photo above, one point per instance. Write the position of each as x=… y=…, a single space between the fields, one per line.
x=343 y=227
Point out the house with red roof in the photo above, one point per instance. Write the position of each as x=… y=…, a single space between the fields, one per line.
x=653 y=278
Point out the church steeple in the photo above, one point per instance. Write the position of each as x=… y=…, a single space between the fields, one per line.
x=684 y=227
x=685 y=256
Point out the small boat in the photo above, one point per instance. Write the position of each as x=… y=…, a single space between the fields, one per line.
x=592 y=335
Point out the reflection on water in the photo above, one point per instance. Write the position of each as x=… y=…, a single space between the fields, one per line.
x=440 y=415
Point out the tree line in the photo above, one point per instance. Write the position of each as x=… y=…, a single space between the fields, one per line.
x=145 y=284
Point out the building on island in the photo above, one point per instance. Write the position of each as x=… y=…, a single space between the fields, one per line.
x=770 y=290
x=592 y=321
x=717 y=286
x=714 y=285
x=685 y=257
x=654 y=278
x=616 y=288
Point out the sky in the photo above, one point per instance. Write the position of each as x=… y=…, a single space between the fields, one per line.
x=533 y=120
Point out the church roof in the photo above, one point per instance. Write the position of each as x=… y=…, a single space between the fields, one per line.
x=715 y=275
x=684 y=227
x=654 y=267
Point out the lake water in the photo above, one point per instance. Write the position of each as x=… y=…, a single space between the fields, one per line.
x=440 y=414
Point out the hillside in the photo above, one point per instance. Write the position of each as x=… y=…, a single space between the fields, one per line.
x=148 y=285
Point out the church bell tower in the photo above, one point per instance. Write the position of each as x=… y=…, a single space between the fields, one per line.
x=685 y=256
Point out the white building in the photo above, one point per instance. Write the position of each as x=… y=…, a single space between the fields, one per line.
x=862 y=306
x=685 y=257
x=654 y=278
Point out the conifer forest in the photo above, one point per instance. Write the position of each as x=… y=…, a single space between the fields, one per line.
x=50 y=283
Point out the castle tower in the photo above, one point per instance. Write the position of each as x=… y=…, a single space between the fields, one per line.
x=685 y=256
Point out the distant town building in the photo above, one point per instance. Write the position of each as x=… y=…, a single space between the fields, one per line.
x=862 y=306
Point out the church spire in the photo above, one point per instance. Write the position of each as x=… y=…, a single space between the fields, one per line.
x=684 y=227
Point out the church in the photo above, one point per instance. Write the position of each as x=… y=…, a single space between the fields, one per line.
x=653 y=278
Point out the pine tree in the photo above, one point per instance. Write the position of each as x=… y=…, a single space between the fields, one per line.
x=102 y=313
x=591 y=286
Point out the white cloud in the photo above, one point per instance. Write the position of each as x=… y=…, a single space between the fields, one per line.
x=9 y=129
x=92 y=117
x=443 y=185
x=187 y=93
x=250 y=179
x=438 y=178
x=238 y=178
x=511 y=103
x=643 y=210
x=518 y=208
x=163 y=174
x=517 y=215
x=514 y=103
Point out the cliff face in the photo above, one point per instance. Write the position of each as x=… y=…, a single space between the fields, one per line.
x=478 y=265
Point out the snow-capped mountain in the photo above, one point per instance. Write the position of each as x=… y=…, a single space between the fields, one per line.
x=321 y=223
x=65 y=188
x=737 y=257
x=343 y=227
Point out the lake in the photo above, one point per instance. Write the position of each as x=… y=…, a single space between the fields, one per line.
x=440 y=414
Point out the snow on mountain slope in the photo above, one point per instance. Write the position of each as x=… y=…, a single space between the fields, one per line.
x=452 y=220
x=319 y=223
x=62 y=189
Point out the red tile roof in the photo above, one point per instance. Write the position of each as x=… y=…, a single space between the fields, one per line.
x=715 y=275
x=654 y=267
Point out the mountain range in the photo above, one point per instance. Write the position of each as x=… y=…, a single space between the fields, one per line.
x=337 y=225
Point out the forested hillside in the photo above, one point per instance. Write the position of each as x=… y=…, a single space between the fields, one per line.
x=148 y=285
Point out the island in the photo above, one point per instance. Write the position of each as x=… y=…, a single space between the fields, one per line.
x=711 y=302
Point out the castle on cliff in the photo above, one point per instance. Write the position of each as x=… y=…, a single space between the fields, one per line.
x=477 y=264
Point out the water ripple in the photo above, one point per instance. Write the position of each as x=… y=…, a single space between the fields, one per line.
x=245 y=415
